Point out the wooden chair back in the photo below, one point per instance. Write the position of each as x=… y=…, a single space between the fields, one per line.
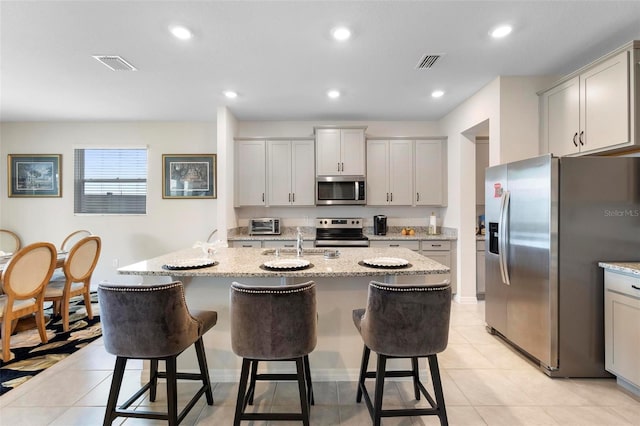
x=73 y=238
x=82 y=259
x=29 y=270
x=9 y=241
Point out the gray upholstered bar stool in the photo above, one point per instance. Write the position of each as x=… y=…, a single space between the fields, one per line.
x=273 y=324
x=153 y=322
x=404 y=321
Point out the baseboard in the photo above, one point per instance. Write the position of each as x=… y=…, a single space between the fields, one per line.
x=470 y=300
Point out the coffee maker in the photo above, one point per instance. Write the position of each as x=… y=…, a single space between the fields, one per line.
x=380 y=224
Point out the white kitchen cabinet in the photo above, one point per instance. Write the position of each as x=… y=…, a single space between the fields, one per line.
x=245 y=244
x=250 y=173
x=622 y=327
x=287 y=244
x=440 y=251
x=390 y=172
x=482 y=162
x=290 y=173
x=410 y=244
x=480 y=269
x=340 y=151
x=430 y=165
x=593 y=109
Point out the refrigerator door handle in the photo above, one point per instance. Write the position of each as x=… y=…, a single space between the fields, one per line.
x=503 y=229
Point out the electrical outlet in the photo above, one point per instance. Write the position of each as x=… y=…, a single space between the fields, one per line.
x=115 y=263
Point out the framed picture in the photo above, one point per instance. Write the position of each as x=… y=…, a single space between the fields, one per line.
x=34 y=175
x=189 y=176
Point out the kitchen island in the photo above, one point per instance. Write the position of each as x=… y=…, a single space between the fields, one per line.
x=342 y=285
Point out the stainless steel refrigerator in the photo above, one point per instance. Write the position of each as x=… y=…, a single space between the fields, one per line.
x=549 y=222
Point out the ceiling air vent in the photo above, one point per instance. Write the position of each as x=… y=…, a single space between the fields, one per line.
x=427 y=62
x=115 y=63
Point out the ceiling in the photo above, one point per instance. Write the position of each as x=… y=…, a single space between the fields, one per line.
x=280 y=58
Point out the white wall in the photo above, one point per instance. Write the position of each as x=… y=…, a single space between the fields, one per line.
x=510 y=105
x=170 y=224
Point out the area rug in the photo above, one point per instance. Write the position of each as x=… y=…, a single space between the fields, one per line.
x=31 y=357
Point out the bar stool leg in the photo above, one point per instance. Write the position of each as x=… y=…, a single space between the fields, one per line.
x=304 y=402
x=416 y=378
x=241 y=403
x=204 y=370
x=307 y=373
x=252 y=381
x=380 y=372
x=437 y=389
x=116 y=383
x=172 y=391
x=153 y=379
x=363 y=372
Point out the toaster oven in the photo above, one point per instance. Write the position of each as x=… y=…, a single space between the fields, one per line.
x=264 y=226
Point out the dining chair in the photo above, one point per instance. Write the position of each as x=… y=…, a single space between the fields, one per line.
x=73 y=238
x=23 y=281
x=9 y=241
x=78 y=268
x=67 y=243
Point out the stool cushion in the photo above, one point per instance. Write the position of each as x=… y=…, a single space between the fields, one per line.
x=149 y=321
x=206 y=319
x=271 y=323
x=405 y=320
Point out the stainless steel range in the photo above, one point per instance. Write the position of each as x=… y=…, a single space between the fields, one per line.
x=340 y=232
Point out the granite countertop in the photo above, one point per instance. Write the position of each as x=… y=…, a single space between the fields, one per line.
x=309 y=234
x=246 y=262
x=626 y=267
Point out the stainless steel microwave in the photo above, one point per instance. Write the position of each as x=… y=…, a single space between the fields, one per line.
x=340 y=190
x=264 y=226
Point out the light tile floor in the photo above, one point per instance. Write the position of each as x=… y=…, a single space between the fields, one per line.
x=485 y=383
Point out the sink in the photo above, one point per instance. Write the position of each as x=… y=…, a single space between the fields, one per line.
x=307 y=251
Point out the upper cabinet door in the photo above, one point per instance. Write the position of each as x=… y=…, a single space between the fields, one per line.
x=303 y=177
x=279 y=172
x=377 y=173
x=562 y=115
x=401 y=172
x=605 y=108
x=251 y=173
x=352 y=152
x=327 y=152
x=430 y=173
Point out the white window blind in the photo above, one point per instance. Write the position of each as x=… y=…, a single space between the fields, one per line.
x=110 y=181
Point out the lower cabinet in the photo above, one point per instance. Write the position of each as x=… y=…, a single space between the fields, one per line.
x=480 y=270
x=622 y=327
x=245 y=243
x=286 y=244
x=440 y=251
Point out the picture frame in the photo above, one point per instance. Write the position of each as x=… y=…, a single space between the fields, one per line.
x=189 y=176
x=34 y=175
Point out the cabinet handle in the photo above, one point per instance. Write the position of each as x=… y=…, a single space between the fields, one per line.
x=635 y=287
x=392 y=197
x=338 y=166
x=394 y=245
x=293 y=197
x=263 y=197
x=288 y=245
x=436 y=245
x=289 y=197
x=580 y=138
x=387 y=197
x=247 y=245
x=417 y=196
x=342 y=164
x=574 y=139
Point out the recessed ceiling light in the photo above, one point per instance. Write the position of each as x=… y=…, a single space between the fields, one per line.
x=230 y=94
x=183 y=33
x=341 y=33
x=501 y=31
x=333 y=94
x=437 y=93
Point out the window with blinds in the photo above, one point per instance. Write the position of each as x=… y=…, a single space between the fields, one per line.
x=110 y=181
